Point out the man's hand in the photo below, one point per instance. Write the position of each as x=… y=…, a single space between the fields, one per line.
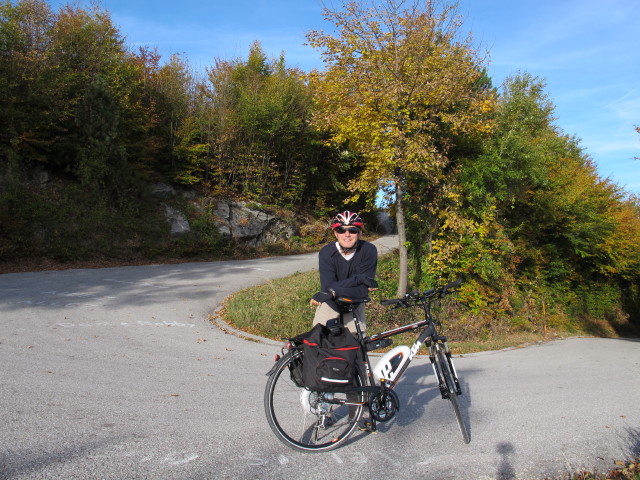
x=319 y=298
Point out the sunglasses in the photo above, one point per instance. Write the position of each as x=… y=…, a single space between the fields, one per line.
x=352 y=231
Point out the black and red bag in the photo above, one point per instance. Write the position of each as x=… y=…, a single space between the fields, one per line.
x=329 y=362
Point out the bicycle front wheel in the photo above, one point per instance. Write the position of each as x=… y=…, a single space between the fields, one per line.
x=449 y=388
x=306 y=420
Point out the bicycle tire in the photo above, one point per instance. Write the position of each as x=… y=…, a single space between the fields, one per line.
x=451 y=391
x=296 y=415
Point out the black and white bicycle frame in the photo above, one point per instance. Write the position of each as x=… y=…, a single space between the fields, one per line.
x=428 y=336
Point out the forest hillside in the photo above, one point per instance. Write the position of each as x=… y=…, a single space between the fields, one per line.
x=480 y=180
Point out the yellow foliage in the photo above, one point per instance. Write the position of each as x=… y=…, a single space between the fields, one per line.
x=396 y=82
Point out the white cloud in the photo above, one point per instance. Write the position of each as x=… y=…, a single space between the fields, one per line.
x=627 y=106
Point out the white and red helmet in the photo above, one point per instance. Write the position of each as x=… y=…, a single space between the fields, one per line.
x=347 y=219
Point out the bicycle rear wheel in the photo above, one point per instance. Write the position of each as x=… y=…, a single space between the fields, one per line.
x=449 y=387
x=306 y=420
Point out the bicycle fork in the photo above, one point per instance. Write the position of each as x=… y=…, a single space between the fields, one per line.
x=452 y=367
x=439 y=373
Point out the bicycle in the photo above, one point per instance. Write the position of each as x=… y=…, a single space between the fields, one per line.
x=318 y=421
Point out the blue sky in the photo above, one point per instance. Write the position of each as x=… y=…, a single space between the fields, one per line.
x=588 y=51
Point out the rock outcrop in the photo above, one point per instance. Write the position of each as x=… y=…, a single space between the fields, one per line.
x=247 y=225
x=250 y=226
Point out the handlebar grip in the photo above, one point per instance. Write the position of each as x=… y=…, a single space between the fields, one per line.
x=453 y=284
x=392 y=301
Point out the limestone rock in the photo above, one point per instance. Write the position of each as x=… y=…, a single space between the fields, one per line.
x=250 y=226
x=179 y=223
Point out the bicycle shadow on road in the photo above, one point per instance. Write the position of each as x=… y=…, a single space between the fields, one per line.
x=417 y=388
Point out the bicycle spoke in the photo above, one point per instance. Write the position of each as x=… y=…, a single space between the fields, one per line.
x=304 y=420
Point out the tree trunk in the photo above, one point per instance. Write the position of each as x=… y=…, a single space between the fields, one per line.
x=403 y=274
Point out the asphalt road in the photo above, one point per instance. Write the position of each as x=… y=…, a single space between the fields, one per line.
x=116 y=373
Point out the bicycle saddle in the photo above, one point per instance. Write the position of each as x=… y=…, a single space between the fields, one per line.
x=351 y=302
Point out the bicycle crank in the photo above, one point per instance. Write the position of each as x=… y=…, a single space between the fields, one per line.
x=383 y=405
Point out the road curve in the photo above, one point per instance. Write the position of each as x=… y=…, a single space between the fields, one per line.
x=116 y=373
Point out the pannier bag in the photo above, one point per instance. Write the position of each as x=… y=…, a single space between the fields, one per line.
x=295 y=370
x=329 y=362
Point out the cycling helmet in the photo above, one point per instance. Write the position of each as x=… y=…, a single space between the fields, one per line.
x=347 y=219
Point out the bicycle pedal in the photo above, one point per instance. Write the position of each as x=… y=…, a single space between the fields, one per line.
x=367 y=427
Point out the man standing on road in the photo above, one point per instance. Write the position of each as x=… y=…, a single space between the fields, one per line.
x=347 y=268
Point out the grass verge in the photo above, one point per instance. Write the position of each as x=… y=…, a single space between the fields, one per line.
x=280 y=309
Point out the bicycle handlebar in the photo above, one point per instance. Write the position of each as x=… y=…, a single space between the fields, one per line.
x=409 y=298
x=454 y=284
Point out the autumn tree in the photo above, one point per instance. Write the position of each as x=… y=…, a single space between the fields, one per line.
x=528 y=217
x=55 y=67
x=25 y=90
x=400 y=84
x=262 y=145
x=177 y=126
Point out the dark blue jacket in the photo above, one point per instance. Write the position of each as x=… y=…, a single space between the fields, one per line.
x=345 y=276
